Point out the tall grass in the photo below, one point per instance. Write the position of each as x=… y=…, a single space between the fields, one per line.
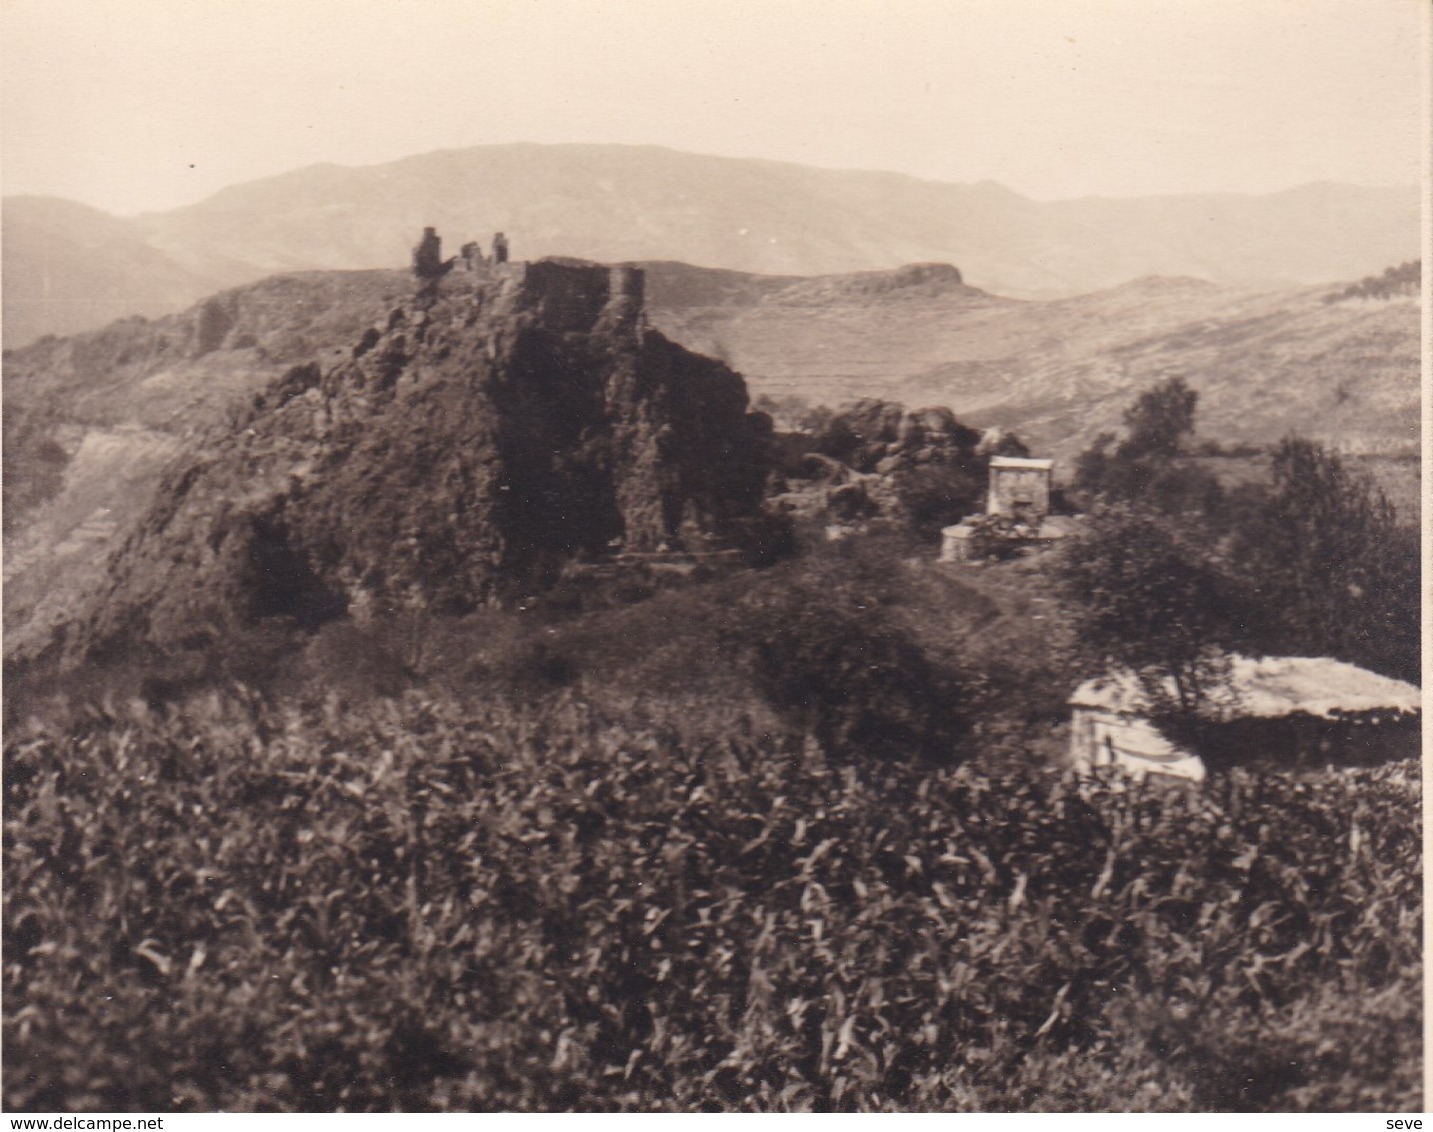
x=429 y=902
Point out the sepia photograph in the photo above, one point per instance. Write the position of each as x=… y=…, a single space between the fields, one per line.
x=705 y=556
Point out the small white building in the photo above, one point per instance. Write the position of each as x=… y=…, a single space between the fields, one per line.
x=955 y=542
x=1019 y=488
x=1283 y=711
x=1109 y=727
x=1017 y=512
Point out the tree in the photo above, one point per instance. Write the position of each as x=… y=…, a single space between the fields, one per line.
x=1334 y=574
x=824 y=649
x=1148 y=465
x=933 y=496
x=1160 y=422
x=1151 y=596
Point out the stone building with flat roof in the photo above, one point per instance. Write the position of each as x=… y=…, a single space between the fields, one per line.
x=1019 y=488
x=1017 y=513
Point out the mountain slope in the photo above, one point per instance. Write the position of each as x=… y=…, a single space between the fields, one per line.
x=68 y=267
x=92 y=420
x=612 y=203
x=1266 y=362
x=634 y=202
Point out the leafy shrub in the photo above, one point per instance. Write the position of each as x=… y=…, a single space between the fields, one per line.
x=822 y=644
x=934 y=496
x=857 y=685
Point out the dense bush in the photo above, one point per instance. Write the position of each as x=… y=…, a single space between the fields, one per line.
x=852 y=679
x=851 y=645
x=1405 y=279
x=434 y=904
x=1311 y=561
x=934 y=496
x=1330 y=569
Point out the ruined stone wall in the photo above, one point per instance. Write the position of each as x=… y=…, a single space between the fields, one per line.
x=629 y=282
x=570 y=297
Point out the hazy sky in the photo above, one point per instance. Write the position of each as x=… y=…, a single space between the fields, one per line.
x=146 y=104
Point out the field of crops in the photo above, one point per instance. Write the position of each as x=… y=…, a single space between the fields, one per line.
x=435 y=904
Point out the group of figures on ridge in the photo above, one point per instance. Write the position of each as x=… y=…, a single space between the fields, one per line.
x=429 y=264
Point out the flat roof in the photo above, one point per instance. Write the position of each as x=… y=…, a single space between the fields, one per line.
x=1020 y=462
x=1273 y=686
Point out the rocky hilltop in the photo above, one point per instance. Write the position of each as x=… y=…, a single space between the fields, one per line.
x=482 y=433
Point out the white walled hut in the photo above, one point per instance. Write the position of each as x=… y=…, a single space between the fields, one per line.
x=1279 y=712
x=1110 y=726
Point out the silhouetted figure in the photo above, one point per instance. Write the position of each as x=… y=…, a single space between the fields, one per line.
x=500 y=248
x=472 y=255
x=428 y=263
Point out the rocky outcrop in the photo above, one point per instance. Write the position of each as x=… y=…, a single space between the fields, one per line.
x=879 y=460
x=461 y=451
x=884 y=437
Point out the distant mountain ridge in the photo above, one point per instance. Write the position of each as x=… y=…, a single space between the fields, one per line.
x=615 y=203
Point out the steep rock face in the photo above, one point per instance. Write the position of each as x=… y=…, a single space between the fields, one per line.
x=481 y=435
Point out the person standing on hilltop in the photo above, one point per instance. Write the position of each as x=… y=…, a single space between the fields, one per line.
x=428 y=263
x=472 y=255
x=500 y=248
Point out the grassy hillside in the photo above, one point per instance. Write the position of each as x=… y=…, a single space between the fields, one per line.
x=1264 y=362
